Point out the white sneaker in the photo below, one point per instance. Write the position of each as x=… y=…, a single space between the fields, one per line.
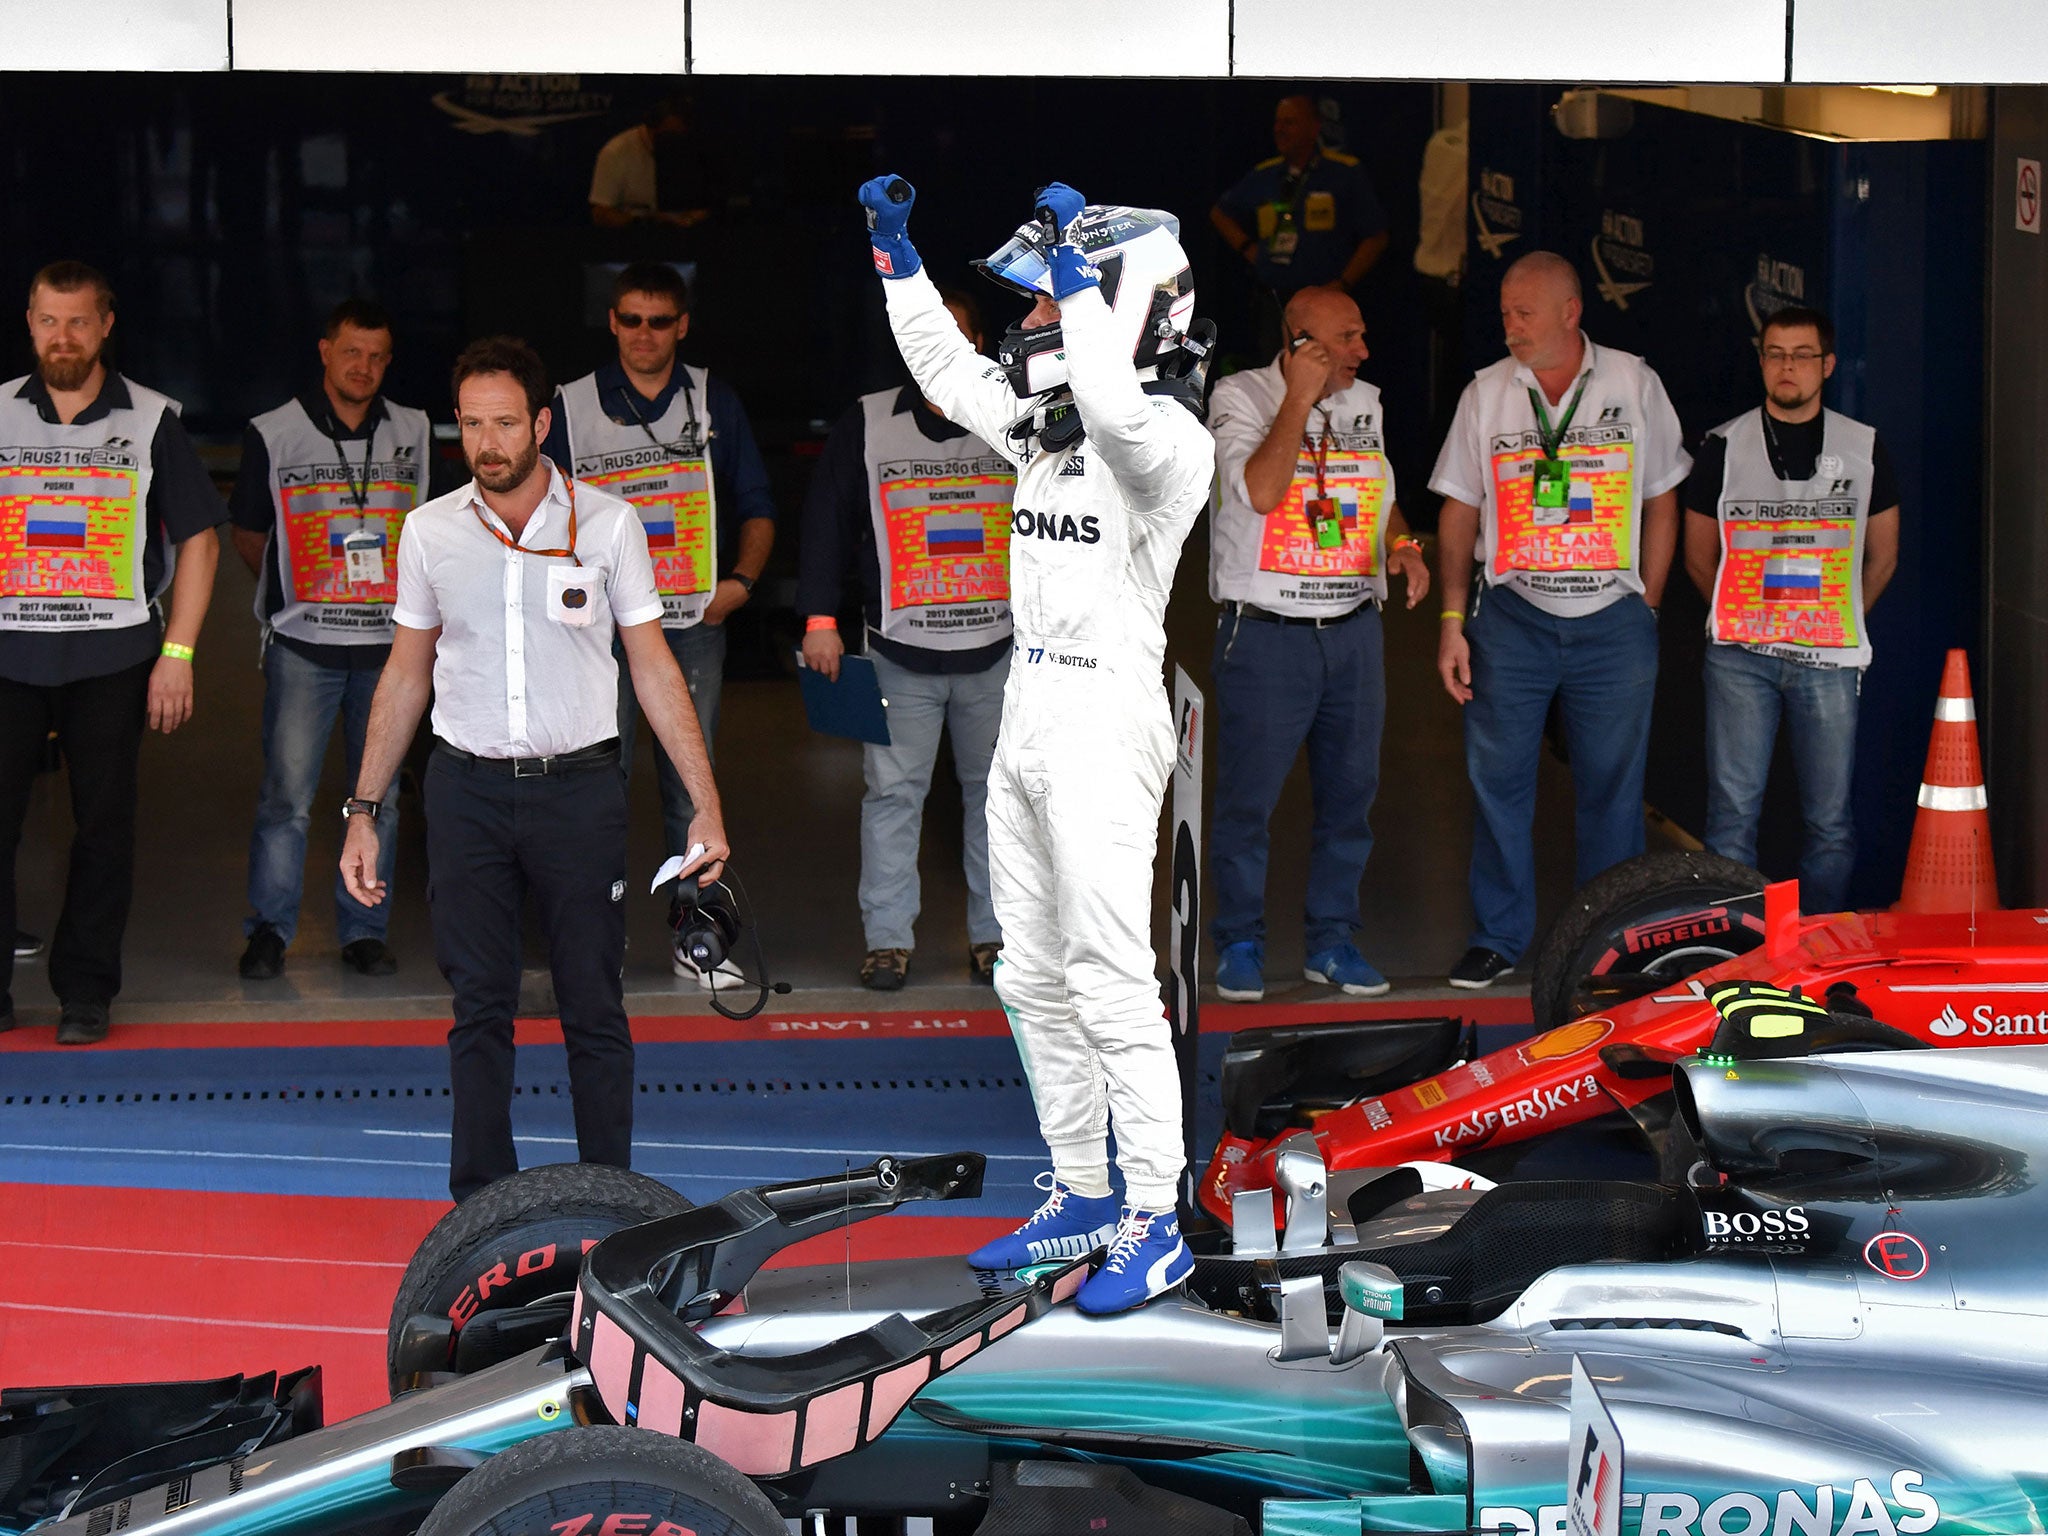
x=727 y=975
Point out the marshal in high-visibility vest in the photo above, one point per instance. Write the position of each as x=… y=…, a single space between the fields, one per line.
x=1790 y=581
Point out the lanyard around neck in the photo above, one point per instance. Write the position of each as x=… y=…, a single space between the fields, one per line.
x=1775 y=450
x=1553 y=439
x=689 y=404
x=359 y=494
x=1319 y=453
x=499 y=534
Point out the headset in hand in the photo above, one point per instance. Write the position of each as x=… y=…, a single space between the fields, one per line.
x=708 y=930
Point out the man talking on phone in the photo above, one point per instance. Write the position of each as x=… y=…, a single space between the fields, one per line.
x=509 y=591
x=1306 y=531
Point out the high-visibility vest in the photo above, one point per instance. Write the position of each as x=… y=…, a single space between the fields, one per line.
x=1275 y=560
x=330 y=497
x=1790 y=583
x=941 y=513
x=664 y=470
x=73 y=527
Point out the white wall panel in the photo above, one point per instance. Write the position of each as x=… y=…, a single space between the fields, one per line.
x=1904 y=42
x=549 y=37
x=1647 y=40
x=113 y=34
x=953 y=37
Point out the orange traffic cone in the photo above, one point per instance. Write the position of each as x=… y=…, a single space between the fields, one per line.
x=1948 y=867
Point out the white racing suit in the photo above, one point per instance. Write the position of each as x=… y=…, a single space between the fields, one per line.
x=1086 y=742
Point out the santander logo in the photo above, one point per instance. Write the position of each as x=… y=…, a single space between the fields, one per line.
x=1949 y=1024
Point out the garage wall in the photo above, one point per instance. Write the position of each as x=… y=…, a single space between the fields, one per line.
x=2013 y=666
x=1873 y=41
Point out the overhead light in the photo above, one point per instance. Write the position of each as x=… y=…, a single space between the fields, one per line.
x=1905 y=90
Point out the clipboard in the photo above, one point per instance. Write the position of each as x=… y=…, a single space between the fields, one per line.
x=852 y=707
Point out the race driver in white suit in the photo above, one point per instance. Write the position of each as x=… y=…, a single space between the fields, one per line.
x=1096 y=397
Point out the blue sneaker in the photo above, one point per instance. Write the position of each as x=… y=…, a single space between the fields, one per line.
x=1067 y=1226
x=1240 y=972
x=1146 y=1259
x=1343 y=966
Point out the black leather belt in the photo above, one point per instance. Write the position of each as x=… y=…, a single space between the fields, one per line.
x=596 y=755
x=1268 y=616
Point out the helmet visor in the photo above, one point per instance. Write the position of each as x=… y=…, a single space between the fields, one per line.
x=1021 y=263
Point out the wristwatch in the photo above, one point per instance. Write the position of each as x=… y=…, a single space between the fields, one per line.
x=355 y=805
x=745 y=581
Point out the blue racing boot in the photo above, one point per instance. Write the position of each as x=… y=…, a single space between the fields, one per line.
x=1147 y=1258
x=1067 y=1226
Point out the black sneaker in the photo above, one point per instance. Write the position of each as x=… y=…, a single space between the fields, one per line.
x=263 y=960
x=82 y=1024
x=27 y=945
x=1480 y=968
x=368 y=957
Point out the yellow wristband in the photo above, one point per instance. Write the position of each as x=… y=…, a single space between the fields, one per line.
x=176 y=651
x=1452 y=613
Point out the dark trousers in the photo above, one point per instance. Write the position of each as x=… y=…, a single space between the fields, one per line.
x=1278 y=687
x=490 y=840
x=98 y=721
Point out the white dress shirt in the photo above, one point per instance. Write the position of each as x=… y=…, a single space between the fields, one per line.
x=514 y=676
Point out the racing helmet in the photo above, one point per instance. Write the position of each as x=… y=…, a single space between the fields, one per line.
x=1146 y=282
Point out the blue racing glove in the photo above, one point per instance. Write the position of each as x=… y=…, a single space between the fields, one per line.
x=1056 y=207
x=888 y=200
x=1071 y=272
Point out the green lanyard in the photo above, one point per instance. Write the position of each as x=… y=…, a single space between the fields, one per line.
x=1553 y=441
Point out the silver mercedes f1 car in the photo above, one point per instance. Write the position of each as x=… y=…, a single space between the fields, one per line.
x=1827 y=1319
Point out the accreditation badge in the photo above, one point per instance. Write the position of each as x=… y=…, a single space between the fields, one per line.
x=1553 y=486
x=362 y=553
x=1325 y=520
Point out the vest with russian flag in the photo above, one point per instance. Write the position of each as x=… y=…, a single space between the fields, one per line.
x=73 y=530
x=941 y=515
x=328 y=498
x=664 y=469
x=1790 y=583
x=1275 y=560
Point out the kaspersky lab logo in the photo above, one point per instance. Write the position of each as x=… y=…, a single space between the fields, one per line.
x=1948 y=1024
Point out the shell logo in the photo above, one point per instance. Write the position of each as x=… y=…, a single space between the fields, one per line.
x=1567 y=1040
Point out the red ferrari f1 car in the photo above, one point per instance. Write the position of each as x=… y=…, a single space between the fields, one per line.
x=1619 y=994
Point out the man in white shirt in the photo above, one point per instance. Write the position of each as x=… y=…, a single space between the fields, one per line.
x=508 y=594
x=625 y=181
x=1561 y=476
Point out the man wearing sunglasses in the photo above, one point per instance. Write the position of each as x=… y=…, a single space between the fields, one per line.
x=1781 y=539
x=677 y=444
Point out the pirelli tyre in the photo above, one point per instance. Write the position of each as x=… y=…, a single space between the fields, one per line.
x=496 y=1274
x=1645 y=925
x=599 y=1479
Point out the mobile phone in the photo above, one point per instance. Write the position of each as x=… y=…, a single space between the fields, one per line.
x=1301 y=339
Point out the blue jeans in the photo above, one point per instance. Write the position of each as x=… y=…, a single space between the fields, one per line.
x=1747 y=694
x=1602 y=669
x=1278 y=686
x=700 y=652
x=300 y=700
x=900 y=775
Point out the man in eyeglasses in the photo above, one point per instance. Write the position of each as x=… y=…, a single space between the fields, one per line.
x=1781 y=539
x=676 y=443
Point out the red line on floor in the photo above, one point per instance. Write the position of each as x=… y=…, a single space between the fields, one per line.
x=979 y=1023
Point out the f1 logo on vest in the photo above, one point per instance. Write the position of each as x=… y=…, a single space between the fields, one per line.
x=1610 y=413
x=1061 y=530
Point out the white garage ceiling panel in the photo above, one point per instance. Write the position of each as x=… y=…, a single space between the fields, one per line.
x=1641 y=42
x=955 y=37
